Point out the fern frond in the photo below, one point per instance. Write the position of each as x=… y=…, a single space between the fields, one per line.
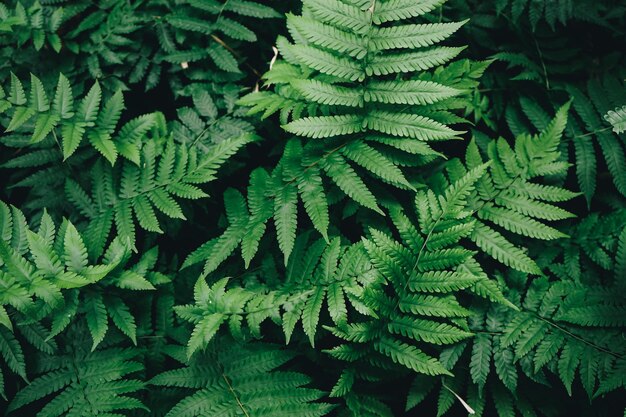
x=100 y=383
x=591 y=108
x=423 y=281
x=232 y=384
x=331 y=84
x=317 y=275
x=505 y=196
x=44 y=278
x=156 y=187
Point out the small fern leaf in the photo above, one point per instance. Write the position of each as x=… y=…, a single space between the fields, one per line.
x=286 y=217
x=481 y=359
x=315 y=204
x=311 y=313
x=203 y=332
x=617 y=119
x=350 y=183
x=496 y=245
x=403 y=9
x=96 y=315
x=325 y=126
x=63 y=102
x=410 y=356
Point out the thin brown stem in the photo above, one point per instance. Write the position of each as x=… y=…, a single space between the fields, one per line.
x=232 y=391
x=574 y=336
x=595 y=132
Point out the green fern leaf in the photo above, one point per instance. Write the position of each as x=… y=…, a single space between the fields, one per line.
x=63 y=102
x=408 y=62
x=501 y=249
x=414 y=126
x=412 y=36
x=285 y=217
x=409 y=92
x=481 y=360
x=325 y=126
x=96 y=315
x=311 y=313
x=344 y=176
x=410 y=357
x=403 y=9
x=315 y=203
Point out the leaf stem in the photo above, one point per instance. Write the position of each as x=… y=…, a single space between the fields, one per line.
x=232 y=391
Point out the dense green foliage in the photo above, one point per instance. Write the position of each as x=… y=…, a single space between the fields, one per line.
x=354 y=208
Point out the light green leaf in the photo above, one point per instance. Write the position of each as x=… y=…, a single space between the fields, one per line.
x=204 y=331
x=74 y=250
